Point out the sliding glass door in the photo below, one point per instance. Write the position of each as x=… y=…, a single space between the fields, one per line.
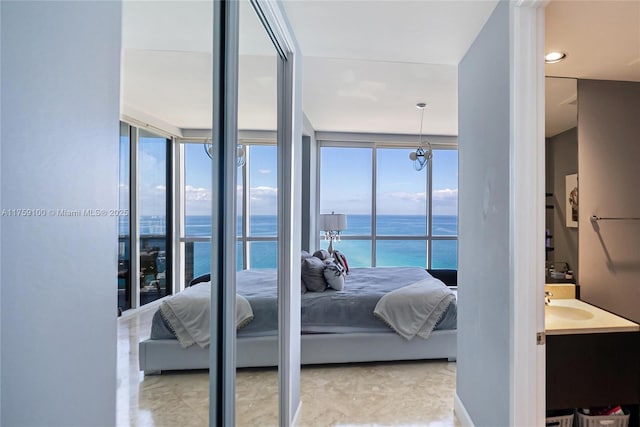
x=154 y=213
x=144 y=217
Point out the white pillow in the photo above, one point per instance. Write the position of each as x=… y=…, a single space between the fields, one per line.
x=333 y=275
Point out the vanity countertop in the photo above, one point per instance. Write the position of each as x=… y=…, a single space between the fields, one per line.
x=572 y=316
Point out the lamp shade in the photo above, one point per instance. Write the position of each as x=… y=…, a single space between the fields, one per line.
x=333 y=222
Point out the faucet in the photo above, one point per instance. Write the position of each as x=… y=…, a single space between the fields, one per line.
x=547 y=297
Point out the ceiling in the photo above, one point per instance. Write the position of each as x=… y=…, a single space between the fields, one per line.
x=366 y=63
x=602 y=42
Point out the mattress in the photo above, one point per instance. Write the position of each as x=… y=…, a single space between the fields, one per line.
x=335 y=312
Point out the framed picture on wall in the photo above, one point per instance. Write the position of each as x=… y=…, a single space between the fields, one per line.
x=571 y=196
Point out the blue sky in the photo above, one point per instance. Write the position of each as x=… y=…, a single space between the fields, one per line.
x=401 y=190
x=346 y=181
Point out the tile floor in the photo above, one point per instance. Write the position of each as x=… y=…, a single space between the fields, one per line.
x=367 y=394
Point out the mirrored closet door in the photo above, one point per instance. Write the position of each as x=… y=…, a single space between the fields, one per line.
x=257 y=224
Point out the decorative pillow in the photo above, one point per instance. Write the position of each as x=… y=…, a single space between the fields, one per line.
x=341 y=260
x=313 y=274
x=323 y=254
x=304 y=255
x=334 y=275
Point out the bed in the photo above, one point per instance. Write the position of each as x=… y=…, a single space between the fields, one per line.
x=337 y=326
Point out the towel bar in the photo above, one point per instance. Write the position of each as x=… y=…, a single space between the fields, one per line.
x=595 y=218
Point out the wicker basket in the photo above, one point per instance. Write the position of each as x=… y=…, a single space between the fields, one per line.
x=603 y=420
x=560 y=421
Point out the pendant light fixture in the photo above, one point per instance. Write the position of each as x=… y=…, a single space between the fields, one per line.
x=240 y=154
x=423 y=154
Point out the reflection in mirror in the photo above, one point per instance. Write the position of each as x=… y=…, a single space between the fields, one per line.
x=257 y=219
x=561 y=134
x=561 y=105
x=166 y=91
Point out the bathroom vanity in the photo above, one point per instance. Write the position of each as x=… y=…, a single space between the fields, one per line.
x=592 y=358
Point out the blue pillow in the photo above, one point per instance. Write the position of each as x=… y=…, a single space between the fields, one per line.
x=313 y=274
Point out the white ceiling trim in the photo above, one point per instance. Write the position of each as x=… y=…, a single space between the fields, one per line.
x=437 y=141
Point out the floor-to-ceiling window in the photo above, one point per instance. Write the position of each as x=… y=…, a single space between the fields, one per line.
x=396 y=215
x=259 y=241
x=144 y=220
x=256 y=207
x=346 y=178
x=444 y=209
x=154 y=213
x=196 y=195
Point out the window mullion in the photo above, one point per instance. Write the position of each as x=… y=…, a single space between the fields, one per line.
x=246 y=215
x=178 y=218
x=429 y=178
x=134 y=223
x=374 y=196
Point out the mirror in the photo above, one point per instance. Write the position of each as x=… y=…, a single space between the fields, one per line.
x=561 y=136
x=166 y=92
x=167 y=99
x=257 y=219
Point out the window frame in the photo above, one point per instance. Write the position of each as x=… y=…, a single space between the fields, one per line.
x=325 y=140
x=135 y=129
x=245 y=239
x=248 y=139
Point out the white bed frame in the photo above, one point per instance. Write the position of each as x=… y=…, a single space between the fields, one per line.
x=156 y=356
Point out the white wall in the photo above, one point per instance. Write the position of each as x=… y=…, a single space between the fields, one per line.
x=484 y=292
x=309 y=174
x=60 y=81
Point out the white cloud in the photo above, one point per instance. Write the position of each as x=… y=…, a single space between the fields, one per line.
x=445 y=201
x=264 y=171
x=446 y=193
x=262 y=192
x=196 y=193
x=264 y=200
x=408 y=196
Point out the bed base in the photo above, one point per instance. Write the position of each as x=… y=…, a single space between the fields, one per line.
x=156 y=356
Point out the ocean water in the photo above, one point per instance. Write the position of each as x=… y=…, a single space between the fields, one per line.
x=389 y=252
x=358 y=252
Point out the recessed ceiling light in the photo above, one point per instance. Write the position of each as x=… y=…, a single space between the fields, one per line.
x=553 y=57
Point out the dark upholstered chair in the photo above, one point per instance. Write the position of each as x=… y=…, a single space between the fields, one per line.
x=449 y=277
x=148 y=267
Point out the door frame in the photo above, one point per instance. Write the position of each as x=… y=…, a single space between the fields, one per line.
x=527 y=214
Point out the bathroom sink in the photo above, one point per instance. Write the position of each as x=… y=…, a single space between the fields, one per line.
x=572 y=316
x=568 y=313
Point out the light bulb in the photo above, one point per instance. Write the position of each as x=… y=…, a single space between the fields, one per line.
x=428 y=154
x=554 y=57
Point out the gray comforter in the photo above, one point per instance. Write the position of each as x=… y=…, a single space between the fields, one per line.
x=349 y=310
